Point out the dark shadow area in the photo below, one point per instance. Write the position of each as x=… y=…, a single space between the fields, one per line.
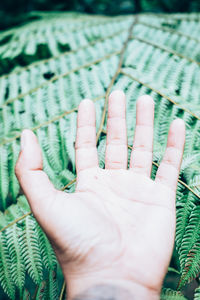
x=15 y=12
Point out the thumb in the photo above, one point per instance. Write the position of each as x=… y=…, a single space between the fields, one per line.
x=35 y=183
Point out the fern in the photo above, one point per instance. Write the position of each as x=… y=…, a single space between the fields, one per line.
x=4 y=183
x=47 y=67
x=192 y=265
x=168 y=294
x=5 y=268
x=191 y=234
x=42 y=291
x=15 y=242
x=26 y=295
x=52 y=286
x=48 y=256
x=197 y=294
x=30 y=251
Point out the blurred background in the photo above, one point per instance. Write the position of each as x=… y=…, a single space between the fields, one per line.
x=14 y=12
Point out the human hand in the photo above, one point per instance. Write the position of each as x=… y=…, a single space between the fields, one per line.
x=119 y=225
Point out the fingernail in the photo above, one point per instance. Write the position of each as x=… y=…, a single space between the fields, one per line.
x=23 y=140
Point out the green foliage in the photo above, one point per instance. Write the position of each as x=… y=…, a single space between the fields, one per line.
x=197 y=294
x=13 y=13
x=168 y=294
x=47 y=67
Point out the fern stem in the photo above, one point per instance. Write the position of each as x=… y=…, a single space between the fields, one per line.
x=35 y=292
x=67 y=185
x=16 y=221
x=62 y=291
x=159 y=93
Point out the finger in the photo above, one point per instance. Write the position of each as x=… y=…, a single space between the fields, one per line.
x=169 y=168
x=141 y=155
x=116 y=149
x=35 y=183
x=86 y=151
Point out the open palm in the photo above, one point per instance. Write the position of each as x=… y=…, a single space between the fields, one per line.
x=119 y=222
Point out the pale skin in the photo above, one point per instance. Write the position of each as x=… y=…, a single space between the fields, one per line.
x=118 y=228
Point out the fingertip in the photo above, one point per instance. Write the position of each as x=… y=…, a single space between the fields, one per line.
x=117 y=97
x=86 y=113
x=177 y=127
x=86 y=102
x=145 y=100
x=27 y=138
x=145 y=111
x=26 y=133
x=30 y=157
x=85 y=107
x=117 y=104
x=117 y=94
x=176 y=137
x=178 y=124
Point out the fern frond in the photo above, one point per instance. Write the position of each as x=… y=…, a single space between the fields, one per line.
x=168 y=294
x=197 y=294
x=185 y=204
x=4 y=182
x=41 y=291
x=15 y=244
x=191 y=236
x=26 y=295
x=5 y=268
x=47 y=253
x=30 y=251
x=101 y=153
x=52 y=286
x=195 y=183
x=192 y=265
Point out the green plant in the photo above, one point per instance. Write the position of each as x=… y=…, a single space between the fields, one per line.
x=48 y=66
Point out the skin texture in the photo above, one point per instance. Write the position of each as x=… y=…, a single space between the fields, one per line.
x=105 y=292
x=119 y=226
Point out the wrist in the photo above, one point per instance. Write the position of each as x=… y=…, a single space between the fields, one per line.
x=88 y=284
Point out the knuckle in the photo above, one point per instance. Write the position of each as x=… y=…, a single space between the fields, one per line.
x=142 y=147
x=117 y=140
x=84 y=144
x=139 y=166
x=115 y=164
